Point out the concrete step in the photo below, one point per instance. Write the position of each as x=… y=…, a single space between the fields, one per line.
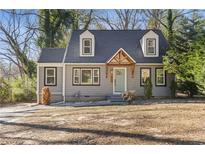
x=116 y=98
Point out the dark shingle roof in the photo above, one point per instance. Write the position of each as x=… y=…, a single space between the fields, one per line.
x=107 y=42
x=51 y=55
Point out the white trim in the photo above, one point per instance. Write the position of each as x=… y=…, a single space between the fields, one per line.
x=105 y=63
x=154 y=45
x=63 y=86
x=98 y=76
x=74 y=76
x=114 y=68
x=50 y=64
x=85 y=63
x=150 y=34
x=163 y=75
x=141 y=74
x=38 y=87
x=87 y=35
x=84 y=46
x=54 y=76
x=149 y=64
x=117 y=53
x=62 y=64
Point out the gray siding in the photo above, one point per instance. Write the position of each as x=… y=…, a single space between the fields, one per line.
x=157 y=90
x=54 y=98
x=56 y=91
x=106 y=86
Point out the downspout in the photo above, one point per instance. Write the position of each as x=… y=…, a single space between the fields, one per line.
x=64 y=69
x=37 y=88
x=64 y=97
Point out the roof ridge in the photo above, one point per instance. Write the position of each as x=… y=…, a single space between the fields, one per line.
x=52 y=48
x=117 y=29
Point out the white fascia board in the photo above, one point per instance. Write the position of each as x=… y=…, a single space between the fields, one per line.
x=84 y=63
x=50 y=64
x=149 y=64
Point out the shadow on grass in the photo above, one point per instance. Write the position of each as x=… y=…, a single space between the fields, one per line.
x=104 y=133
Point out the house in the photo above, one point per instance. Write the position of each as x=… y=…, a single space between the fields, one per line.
x=101 y=63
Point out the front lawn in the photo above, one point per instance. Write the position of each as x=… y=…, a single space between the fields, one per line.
x=132 y=124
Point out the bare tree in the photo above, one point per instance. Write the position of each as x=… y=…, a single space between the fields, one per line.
x=16 y=35
x=121 y=19
x=82 y=19
x=152 y=15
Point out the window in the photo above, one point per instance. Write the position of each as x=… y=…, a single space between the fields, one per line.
x=151 y=46
x=76 y=76
x=86 y=76
x=144 y=74
x=87 y=46
x=50 y=76
x=96 y=76
x=160 y=77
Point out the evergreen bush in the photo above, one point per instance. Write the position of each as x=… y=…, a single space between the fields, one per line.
x=173 y=88
x=148 y=88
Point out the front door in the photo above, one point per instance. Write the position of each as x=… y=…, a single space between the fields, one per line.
x=119 y=80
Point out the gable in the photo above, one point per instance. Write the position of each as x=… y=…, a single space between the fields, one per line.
x=121 y=57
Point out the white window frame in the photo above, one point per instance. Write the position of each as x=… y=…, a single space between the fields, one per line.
x=54 y=76
x=141 y=78
x=98 y=76
x=92 y=76
x=83 y=46
x=84 y=69
x=163 y=75
x=147 y=47
x=74 y=76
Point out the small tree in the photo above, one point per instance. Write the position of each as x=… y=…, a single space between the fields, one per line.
x=173 y=88
x=148 y=88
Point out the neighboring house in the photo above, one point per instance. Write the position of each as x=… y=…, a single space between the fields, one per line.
x=101 y=63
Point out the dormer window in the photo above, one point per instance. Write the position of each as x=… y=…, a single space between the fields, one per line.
x=151 y=46
x=87 y=46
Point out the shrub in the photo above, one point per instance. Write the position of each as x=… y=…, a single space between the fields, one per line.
x=129 y=96
x=45 y=96
x=173 y=88
x=23 y=89
x=4 y=91
x=148 y=88
x=188 y=87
